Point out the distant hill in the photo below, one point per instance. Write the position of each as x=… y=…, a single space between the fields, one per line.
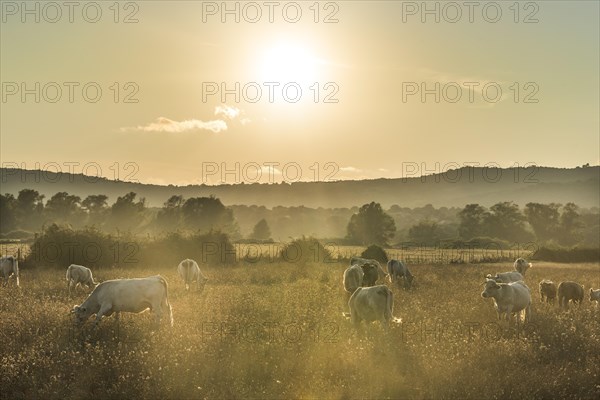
x=454 y=188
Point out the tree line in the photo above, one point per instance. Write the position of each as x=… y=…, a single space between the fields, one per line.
x=557 y=224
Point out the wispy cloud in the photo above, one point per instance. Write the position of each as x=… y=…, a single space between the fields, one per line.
x=227 y=111
x=350 y=169
x=163 y=124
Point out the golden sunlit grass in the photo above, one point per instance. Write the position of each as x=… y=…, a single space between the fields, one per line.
x=275 y=330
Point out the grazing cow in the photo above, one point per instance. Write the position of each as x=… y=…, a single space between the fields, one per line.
x=381 y=274
x=370 y=304
x=189 y=271
x=396 y=270
x=509 y=298
x=353 y=278
x=9 y=266
x=547 y=290
x=126 y=295
x=595 y=295
x=521 y=266
x=569 y=290
x=79 y=275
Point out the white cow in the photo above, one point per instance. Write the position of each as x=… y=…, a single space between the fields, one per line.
x=353 y=278
x=507 y=277
x=375 y=303
x=509 y=298
x=126 y=295
x=521 y=266
x=9 y=266
x=79 y=275
x=396 y=270
x=189 y=271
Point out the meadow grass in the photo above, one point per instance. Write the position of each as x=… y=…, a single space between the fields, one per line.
x=276 y=330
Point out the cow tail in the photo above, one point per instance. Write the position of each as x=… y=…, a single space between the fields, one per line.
x=167 y=303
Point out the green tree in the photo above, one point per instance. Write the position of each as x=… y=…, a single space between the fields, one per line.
x=208 y=213
x=169 y=216
x=126 y=212
x=29 y=208
x=570 y=225
x=371 y=225
x=96 y=206
x=261 y=230
x=8 y=217
x=425 y=231
x=472 y=221
x=63 y=206
x=505 y=221
x=544 y=219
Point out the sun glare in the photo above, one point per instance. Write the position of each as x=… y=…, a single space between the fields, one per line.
x=288 y=63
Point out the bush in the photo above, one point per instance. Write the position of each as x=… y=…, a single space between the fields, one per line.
x=567 y=255
x=305 y=250
x=375 y=252
x=214 y=248
x=59 y=246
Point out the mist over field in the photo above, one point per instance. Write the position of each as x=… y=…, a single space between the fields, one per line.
x=322 y=200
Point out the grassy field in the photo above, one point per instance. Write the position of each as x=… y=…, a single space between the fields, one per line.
x=276 y=330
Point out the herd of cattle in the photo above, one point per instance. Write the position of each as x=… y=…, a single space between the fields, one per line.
x=368 y=302
x=508 y=289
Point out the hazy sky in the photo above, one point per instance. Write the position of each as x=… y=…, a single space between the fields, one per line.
x=373 y=58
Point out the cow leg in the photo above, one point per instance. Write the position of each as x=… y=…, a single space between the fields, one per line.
x=104 y=310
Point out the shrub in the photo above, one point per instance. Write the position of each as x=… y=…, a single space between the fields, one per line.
x=376 y=253
x=567 y=255
x=305 y=250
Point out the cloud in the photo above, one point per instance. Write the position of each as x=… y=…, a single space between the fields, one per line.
x=350 y=169
x=163 y=124
x=227 y=111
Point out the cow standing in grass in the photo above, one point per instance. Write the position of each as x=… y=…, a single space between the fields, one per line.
x=190 y=272
x=547 y=290
x=509 y=298
x=79 y=275
x=569 y=291
x=371 y=268
x=370 y=304
x=520 y=267
x=9 y=266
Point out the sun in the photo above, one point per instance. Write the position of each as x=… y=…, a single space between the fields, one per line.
x=287 y=62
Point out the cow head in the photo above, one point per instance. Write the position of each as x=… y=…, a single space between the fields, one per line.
x=595 y=295
x=81 y=314
x=491 y=288
x=408 y=281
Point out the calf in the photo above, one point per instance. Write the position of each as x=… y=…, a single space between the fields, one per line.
x=509 y=298
x=79 y=275
x=126 y=295
x=396 y=270
x=547 y=290
x=569 y=290
x=370 y=304
x=9 y=266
